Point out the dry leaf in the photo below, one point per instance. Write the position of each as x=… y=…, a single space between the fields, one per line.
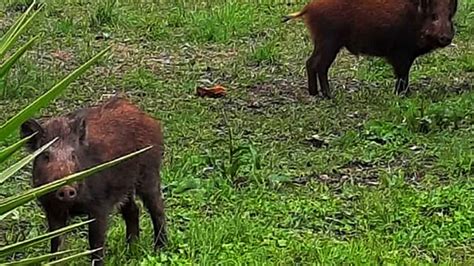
x=215 y=92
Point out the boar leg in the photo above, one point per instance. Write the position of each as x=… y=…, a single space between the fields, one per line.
x=312 y=74
x=326 y=55
x=151 y=195
x=130 y=214
x=401 y=66
x=56 y=220
x=97 y=230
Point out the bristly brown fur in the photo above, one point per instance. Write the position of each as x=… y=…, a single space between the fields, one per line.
x=397 y=30
x=89 y=137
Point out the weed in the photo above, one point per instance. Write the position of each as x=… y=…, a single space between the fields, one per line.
x=266 y=53
x=104 y=14
x=424 y=116
x=242 y=157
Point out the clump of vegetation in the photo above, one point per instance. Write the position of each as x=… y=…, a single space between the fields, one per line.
x=105 y=14
x=421 y=115
x=265 y=53
x=241 y=163
x=392 y=183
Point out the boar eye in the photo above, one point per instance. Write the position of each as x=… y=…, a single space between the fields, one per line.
x=434 y=17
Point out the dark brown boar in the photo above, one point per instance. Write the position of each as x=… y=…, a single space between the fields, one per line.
x=87 y=138
x=397 y=30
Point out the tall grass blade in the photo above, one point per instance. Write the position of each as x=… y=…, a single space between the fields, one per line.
x=33 y=241
x=18 y=200
x=12 y=30
x=4 y=215
x=39 y=259
x=75 y=256
x=8 y=63
x=18 y=165
x=17 y=29
x=10 y=150
x=8 y=127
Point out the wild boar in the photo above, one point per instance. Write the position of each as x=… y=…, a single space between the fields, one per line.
x=397 y=30
x=89 y=137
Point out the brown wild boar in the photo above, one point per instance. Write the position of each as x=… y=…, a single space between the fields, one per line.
x=397 y=30
x=87 y=138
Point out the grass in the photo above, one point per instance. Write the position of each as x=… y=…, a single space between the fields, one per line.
x=386 y=179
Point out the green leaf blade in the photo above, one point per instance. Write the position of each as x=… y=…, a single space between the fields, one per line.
x=33 y=241
x=8 y=127
x=8 y=63
x=72 y=257
x=10 y=150
x=21 y=163
x=17 y=29
x=18 y=200
x=39 y=259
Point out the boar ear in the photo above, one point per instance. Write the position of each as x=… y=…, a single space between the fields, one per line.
x=80 y=128
x=29 y=127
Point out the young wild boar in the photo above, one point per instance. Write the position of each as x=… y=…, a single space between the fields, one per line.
x=87 y=138
x=397 y=30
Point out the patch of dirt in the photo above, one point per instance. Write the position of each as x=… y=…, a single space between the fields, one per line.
x=281 y=88
x=361 y=173
x=21 y=7
x=348 y=85
x=240 y=182
x=356 y=172
x=126 y=57
x=460 y=86
x=294 y=90
x=63 y=55
x=279 y=92
x=357 y=165
x=338 y=179
x=317 y=142
x=169 y=61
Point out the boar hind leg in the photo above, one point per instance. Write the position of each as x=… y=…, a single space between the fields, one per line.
x=130 y=214
x=312 y=73
x=326 y=55
x=150 y=193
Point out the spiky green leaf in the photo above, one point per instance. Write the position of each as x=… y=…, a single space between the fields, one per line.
x=72 y=257
x=13 y=123
x=18 y=165
x=9 y=38
x=39 y=259
x=18 y=200
x=9 y=62
x=10 y=150
x=30 y=242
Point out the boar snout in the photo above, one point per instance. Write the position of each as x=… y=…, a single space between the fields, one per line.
x=445 y=40
x=66 y=193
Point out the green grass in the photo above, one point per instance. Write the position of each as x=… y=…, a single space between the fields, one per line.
x=391 y=182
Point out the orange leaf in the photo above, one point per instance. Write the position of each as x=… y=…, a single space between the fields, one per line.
x=215 y=92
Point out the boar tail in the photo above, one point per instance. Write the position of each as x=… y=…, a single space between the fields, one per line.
x=295 y=15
